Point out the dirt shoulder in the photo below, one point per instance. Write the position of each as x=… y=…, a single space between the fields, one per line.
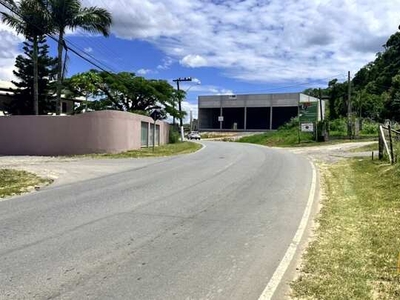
x=330 y=154
x=69 y=170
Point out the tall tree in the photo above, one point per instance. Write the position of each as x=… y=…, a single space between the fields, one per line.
x=24 y=94
x=28 y=18
x=70 y=14
x=127 y=92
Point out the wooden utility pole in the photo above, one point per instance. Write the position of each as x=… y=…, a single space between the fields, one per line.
x=349 y=122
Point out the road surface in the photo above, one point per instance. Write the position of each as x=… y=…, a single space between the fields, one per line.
x=210 y=225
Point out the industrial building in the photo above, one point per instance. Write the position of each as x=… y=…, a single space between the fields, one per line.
x=251 y=112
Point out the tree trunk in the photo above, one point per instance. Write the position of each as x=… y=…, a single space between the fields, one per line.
x=59 y=72
x=35 y=77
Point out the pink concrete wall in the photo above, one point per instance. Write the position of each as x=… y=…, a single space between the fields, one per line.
x=92 y=132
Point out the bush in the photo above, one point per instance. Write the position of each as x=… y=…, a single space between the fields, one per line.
x=369 y=127
x=338 y=127
x=174 y=135
x=292 y=124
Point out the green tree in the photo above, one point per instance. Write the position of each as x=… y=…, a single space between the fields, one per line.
x=28 y=18
x=126 y=92
x=25 y=93
x=70 y=14
x=83 y=85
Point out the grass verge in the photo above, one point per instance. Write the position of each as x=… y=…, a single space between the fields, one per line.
x=283 y=138
x=15 y=182
x=164 y=150
x=289 y=138
x=356 y=249
x=366 y=148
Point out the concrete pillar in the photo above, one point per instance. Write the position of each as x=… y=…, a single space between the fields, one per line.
x=221 y=113
x=245 y=117
x=148 y=134
x=270 y=117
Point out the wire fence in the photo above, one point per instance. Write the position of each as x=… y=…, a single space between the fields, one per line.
x=389 y=143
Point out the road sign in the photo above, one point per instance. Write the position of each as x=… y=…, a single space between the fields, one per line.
x=308 y=112
x=307 y=127
x=220 y=118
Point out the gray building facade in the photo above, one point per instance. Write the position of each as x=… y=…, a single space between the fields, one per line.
x=250 y=112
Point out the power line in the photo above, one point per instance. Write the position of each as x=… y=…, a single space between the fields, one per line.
x=6 y=5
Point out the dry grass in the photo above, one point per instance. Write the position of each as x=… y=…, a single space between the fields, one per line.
x=165 y=150
x=15 y=182
x=366 y=148
x=356 y=249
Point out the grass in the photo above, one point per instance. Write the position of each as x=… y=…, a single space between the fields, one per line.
x=356 y=248
x=164 y=150
x=213 y=135
x=289 y=138
x=15 y=182
x=366 y=148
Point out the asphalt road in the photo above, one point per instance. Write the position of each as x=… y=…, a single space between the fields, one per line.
x=209 y=225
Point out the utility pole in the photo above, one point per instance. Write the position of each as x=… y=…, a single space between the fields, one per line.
x=349 y=122
x=180 y=105
x=191 y=120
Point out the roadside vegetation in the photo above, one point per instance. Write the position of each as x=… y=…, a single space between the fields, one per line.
x=366 y=148
x=15 y=182
x=288 y=135
x=164 y=150
x=355 y=252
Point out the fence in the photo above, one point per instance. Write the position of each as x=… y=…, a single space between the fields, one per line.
x=389 y=139
x=92 y=132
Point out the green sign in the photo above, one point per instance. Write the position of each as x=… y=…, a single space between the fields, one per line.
x=308 y=112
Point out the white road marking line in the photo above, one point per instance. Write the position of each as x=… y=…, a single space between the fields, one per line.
x=287 y=259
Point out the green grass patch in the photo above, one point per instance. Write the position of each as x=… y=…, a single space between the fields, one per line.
x=282 y=138
x=289 y=138
x=356 y=248
x=15 y=182
x=164 y=150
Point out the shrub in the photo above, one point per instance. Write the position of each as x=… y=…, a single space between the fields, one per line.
x=174 y=135
x=338 y=126
x=369 y=127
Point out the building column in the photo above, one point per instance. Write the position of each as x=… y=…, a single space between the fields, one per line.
x=270 y=117
x=221 y=114
x=245 y=117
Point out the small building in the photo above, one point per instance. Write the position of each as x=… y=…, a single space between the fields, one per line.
x=250 y=112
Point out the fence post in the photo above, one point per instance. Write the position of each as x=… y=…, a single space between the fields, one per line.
x=380 y=155
x=391 y=144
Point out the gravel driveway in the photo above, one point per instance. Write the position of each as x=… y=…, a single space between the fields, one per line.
x=332 y=153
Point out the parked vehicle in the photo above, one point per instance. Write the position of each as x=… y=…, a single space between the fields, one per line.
x=194 y=135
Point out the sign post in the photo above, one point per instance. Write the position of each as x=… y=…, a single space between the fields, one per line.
x=155 y=115
x=308 y=117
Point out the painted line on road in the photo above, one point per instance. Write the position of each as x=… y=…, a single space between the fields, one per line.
x=276 y=278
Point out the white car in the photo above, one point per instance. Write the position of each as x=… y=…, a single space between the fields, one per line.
x=194 y=135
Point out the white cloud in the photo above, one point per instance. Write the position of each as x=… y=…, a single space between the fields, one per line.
x=88 y=49
x=143 y=71
x=260 y=40
x=9 y=42
x=208 y=89
x=196 y=81
x=193 y=61
x=187 y=107
x=166 y=64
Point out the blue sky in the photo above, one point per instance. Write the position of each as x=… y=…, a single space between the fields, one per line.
x=233 y=46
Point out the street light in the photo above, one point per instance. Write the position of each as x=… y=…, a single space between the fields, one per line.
x=181 y=79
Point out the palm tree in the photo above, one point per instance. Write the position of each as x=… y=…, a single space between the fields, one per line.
x=28 y=18
x=69 y=14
